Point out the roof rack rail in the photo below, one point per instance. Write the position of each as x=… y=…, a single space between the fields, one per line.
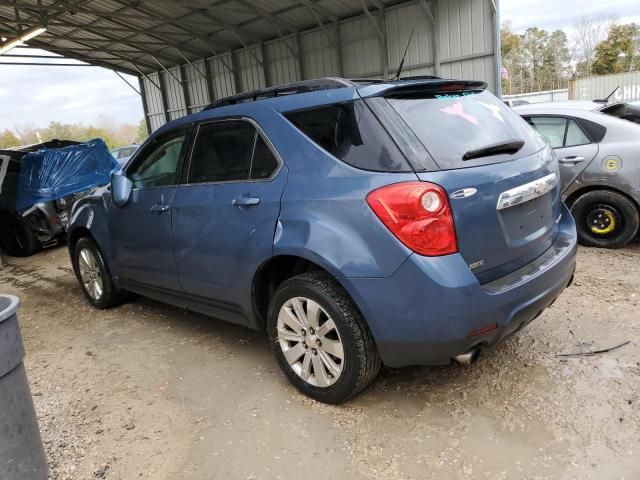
x=302 y=86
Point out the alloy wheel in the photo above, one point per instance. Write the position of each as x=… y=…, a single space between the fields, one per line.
x=90 y=274
x=310 y=342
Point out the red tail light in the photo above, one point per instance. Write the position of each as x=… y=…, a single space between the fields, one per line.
x=418 y=214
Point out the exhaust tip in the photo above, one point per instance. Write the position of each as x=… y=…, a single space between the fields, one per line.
x=467 y=358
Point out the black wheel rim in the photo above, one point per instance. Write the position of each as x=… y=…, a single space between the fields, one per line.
x=13 y=233
x=603 y=221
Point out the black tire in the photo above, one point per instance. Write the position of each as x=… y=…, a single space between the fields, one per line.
x=361 y=359
x=16 y=237
x=599 y=211
x=110 y=295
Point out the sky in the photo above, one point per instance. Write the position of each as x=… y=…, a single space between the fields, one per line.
x=39 y=95
x=562 y=14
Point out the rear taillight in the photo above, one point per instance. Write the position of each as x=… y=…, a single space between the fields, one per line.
x=418 y=214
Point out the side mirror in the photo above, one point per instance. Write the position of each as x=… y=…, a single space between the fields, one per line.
x=121 y=188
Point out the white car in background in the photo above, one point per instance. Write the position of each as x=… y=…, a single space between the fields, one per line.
x=123 y=154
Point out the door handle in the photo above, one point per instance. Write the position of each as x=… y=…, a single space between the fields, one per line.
x=159 y=208
x=572 y=160
x=245 y=201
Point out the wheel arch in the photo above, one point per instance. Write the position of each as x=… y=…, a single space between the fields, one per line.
x=276 y=270
x=571 y=198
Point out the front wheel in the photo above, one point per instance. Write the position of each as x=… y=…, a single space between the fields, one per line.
x=94 y=277
x=16 y=237
x=605 y=219
x=320 y=340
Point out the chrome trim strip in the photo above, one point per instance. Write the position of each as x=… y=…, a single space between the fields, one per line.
x=527 y=192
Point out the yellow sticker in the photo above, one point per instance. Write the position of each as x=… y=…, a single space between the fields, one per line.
x=612 y=164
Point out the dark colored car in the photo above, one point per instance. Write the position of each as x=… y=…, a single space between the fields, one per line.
x=599 y=169
x=359 y=224
x=38 y=185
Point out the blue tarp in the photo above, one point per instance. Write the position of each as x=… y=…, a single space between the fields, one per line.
x=52 y=174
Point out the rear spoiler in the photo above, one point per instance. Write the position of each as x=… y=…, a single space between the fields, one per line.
x=433 y=87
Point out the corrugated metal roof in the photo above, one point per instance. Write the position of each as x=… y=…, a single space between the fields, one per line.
x=140 y=35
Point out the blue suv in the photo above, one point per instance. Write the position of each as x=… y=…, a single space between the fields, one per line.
x=359 y=223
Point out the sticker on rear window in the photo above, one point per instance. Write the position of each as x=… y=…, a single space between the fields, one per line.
x=456 y=109
x=494 y=109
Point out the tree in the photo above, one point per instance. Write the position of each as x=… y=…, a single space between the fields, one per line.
x=8 y=139
x=26 y=133
x=536 y=60
x=619 y=52
x=589 y=31
x=141 y=134
x=115 y=135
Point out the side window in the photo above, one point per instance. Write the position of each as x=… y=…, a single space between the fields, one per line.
x=351 y=133
x=222 y=152
x=551 y=128
x=264 y=163
x=158 y=164
x=575 y=135
x=230 y=151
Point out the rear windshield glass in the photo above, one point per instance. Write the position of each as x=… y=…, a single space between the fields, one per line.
x=351 y=133
x=452 y=124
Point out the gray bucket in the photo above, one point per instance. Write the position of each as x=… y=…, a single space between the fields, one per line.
x=22 y=455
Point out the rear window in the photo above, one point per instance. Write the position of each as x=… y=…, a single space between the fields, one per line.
x=454 y=123
x=351 y=133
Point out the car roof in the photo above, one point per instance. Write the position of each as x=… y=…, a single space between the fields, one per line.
x=616 y=127
x=21 y=150
x=309 y=94
x=564 y=105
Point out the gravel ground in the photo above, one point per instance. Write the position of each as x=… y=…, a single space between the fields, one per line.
x=149 y=391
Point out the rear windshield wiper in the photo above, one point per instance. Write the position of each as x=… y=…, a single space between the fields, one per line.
x=510 y=146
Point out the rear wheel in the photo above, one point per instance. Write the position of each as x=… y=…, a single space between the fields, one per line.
x=94 y=277
x=16 y=237
x=320 y=340
x=605 y=219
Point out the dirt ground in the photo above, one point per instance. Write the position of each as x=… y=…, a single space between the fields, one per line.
x=149 y=391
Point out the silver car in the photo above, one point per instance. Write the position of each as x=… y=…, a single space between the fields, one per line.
x=599 y=158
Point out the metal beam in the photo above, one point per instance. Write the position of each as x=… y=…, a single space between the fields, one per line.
x=125 y=81
x=371 y=19
x=432 y=16
x=145 y=108
x=384 y=45
x=203 y=75
x=265 y=69
x=38 y=64
x=298 y=57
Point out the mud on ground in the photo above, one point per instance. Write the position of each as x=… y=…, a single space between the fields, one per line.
x=149 y=391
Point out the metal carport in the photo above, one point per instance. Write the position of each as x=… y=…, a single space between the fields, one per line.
x=189 y=53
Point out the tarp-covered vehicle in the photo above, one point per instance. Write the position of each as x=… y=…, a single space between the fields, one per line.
x=38 y=185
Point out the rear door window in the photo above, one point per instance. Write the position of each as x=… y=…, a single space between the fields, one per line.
x=228 y=151
x=222 y=152
x=451 y=124
x=551 y=128
x=559 y=131
x=350 y=132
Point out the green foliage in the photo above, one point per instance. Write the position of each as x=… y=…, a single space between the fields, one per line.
x=142 y=133
x=114 y=135
x=619 y=52
x=536 y=60
x=8 y=139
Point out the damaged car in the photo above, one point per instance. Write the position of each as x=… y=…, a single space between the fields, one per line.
x=38 y=185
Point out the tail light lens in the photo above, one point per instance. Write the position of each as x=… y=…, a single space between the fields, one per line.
x=418 y=214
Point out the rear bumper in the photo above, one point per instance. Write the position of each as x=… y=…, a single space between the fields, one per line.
x=425 y=312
